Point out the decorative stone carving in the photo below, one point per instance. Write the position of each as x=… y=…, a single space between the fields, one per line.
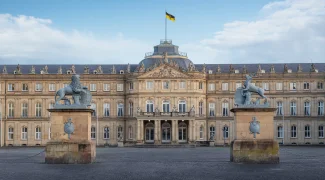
x=259 y=69
x=272 y=70
x=113 y=70
x=60 y=70
x=86 y=70
x=312 y=68
x=69 y=127
x=231 y=69
x=218 y=69
x=204 y=68
x=254 y=127
x=167 y=72
x=80 y=94
x=244 y=70
x=99 y=70
x=45 y=70
x=286 y=70
x=4 y=70
x=73 y=69
x=191 y=67
x=142 y=68
x=32 y=70
x=17 y=70
x=128 y=70
x=165 y=57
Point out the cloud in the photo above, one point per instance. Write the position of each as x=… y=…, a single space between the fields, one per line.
x=288 y=31
x=26 y=40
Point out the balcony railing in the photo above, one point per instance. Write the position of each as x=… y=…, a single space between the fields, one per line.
x=166 y=41
x=171 y=114
x=148 y=54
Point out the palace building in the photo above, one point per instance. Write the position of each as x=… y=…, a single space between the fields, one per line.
x=166 y=98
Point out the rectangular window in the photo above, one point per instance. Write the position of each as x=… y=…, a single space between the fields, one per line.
x=320 y=85
x=265 y=86
x=320 y=109
x=182 y=85
x=321 y=131
x=307 y=131
x=182 y=106
x=93 y=87
x=306 y=85
x=307 y=108
x=24 y=133
x=200 y=108
x=10 y=133
x=93 y=107
x=201 y=132
x=293 y=131
x=120 y=112
x=93 y=132
x=211 y=109
x=200 y=85
x=51 y=87
x=280 y=132
x=106 y=109
x=212 y=86
x=292 y=108
x=25 y=87
x=279 y=111
x=38 y=133
x=165 y=84
x=279 y=86
x=131 y=109
x=149 y=84
x=119 y=87
x=38 y=87
x=106 y=87
x=11 y=87
x=225 y=130
x=131 y=86
x=166 y=106
x=225 y=107
x=238 y=85
x=293 y=86
x=225 y=86
x=24 y=111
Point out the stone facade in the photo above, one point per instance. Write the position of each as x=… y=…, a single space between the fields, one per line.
x=163 y=103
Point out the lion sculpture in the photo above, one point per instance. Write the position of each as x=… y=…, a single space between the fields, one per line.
x=80 y=94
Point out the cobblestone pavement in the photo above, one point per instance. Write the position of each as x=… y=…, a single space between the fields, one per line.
x=160 y=163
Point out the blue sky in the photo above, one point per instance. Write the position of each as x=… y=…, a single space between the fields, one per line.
x=34 y=31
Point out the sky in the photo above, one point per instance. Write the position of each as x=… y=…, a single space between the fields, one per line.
x=121 y=32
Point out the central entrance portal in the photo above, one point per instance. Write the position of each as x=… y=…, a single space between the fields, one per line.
x=165 y=130
x=150 y=132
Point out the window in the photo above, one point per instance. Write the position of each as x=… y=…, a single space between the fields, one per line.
x=131 y=109
x=182 y=106
x=38 y=112
x=106 y=87
x=106 y=133
x=11 y=87
x=92 y=87
x=106 y=109
x=292 y=108
x=149 y=84
x=280 y=132
x=120 y=110
x=121 y=72
x=210 y=71
x=119 y=132
x=306 y=85
x=307 y=108
x=321 y=131
x=25 y=87
x=320 y=85
x=182 y=85
x=236 y=71
x=293 y=86
x=10 y=133
x=93 y=132
x=279 y=86
x=166 y=105
x=93 y=107
x=131 y=86
x=149 y=106
x=225 y=130
x=320 y=109
x=200 y=108
x=51 y=87
x=225 y=106
x=119 y=87
x=38 y=87
x=212 y=131
x=24 y=110
x=293 y=131
x=238 y=85
x=165 y=84
x=211 y=109
x=201 y=132
x=307 y=131
x=38 y=133
x=24 y=133
x=212 y=86
x=225 y=86
x=130 y=132
x=11 y=110
x=200 y=85
x=265 y=86
x=279 y=110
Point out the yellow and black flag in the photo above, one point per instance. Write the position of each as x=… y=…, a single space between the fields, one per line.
x=170 y=17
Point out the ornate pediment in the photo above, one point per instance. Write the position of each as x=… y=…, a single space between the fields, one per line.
x=164 y=72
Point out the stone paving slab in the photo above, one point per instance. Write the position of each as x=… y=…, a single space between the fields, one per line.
x=163 y=163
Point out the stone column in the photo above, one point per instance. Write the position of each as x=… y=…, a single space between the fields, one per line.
x=156 y=131
x=176 y=131
x=190 y=132
x=139 y=131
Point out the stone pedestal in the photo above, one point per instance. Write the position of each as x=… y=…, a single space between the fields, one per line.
x=79 y=148
x=120 y=144
x=247 y=149
x=212 y=144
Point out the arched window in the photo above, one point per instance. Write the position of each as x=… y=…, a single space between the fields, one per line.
x=293 y=108
x=293 y=131
x=321 y=131
x=279 y=108
x=93 y=132
x=182 y=106
x=24 y=133
x=106 y=132
x=120 y=111
x=93 y=107
x=11 y=108
x=225 y=130
x=38 y=112
x=212 y=131
x=38 y=133
x=149 y=106
x=307 y=131
x=320 y=109
x=307 y=108
x=130 y=132
x=24 y=110
x=165 y=106
x=182 y=132
x=211 y=109
x=166 y=132
x=10 y=133
x=119 y=132
x=280 y=132
x=225 y=107
x=201 y=132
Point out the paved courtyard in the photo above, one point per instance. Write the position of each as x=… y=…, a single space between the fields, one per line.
x=172 y=163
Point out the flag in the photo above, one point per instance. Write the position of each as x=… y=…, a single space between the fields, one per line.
x=170 y=17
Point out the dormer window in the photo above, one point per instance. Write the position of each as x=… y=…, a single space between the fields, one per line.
x=210 y=71
x=121 y=72
x=316 y=70
x=236 y=71
x=263 y=71
x=69 y=71
x=289 y=70
x=95 y=71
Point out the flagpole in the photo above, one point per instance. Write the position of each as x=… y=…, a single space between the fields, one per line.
x=165 y=26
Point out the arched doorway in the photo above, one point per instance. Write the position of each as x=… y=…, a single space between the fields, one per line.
x=150 y=132
x=182 y=132
x=165 y=130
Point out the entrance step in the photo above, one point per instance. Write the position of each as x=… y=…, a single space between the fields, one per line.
x=165 y=146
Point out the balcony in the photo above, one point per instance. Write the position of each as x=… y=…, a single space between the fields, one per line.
x=166 y=114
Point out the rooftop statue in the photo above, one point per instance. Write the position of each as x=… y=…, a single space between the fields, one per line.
x=243 y=94
x=80 y=94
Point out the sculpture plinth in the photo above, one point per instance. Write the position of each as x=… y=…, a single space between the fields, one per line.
x=254 y=136
x=70 y=137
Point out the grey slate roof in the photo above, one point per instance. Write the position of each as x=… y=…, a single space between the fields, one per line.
x=53 y=69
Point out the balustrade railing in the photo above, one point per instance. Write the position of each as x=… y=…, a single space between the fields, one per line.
x=172 y=114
